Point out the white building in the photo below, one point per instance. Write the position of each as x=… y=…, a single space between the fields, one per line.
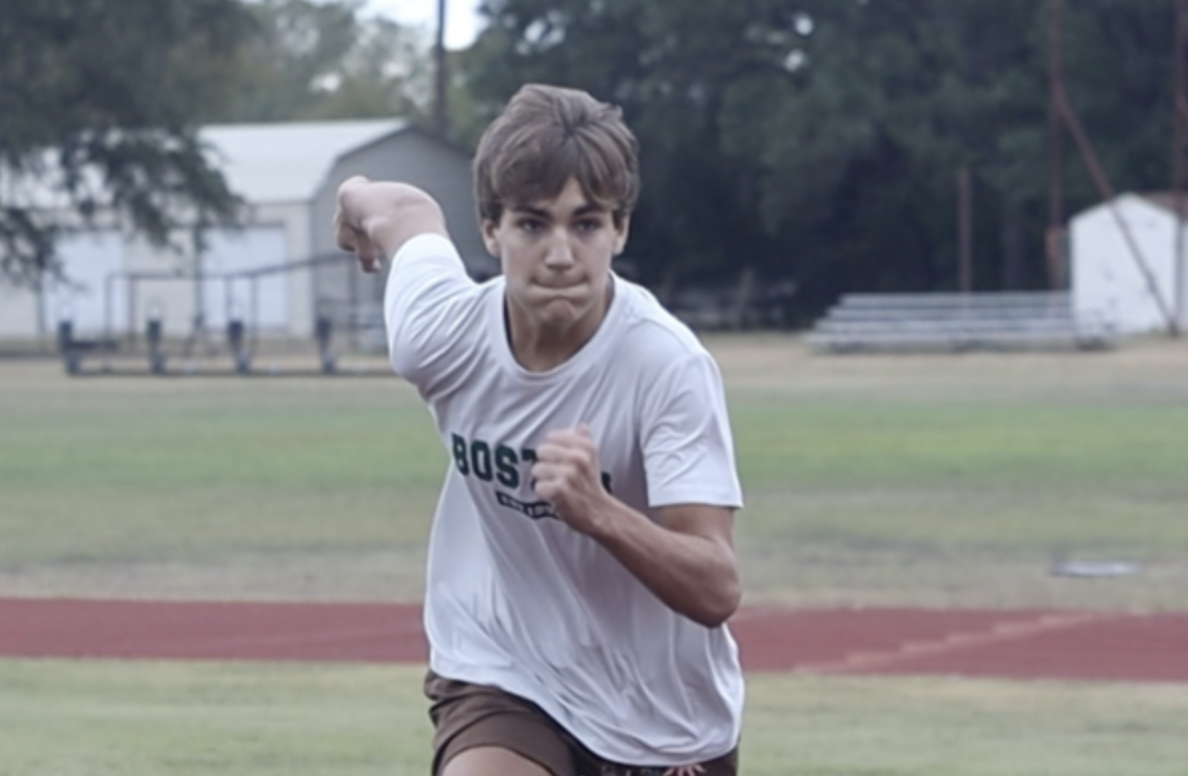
x=278 y=272
x=1109 y=282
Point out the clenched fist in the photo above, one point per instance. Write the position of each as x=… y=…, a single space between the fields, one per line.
x=374 y=218
x=568 y=475
x=348 y=228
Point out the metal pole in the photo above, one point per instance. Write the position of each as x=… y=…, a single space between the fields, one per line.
x=1055 y=241
x=109 y=306
x=199 y=295
x=965 y=230
x=1067 y=117
x=42 y=329
x=1178 y=271
x=132 y=304
x=198 y=329
x=255 y=313
x=440 y=114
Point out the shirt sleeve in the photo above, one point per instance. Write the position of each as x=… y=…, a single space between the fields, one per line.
x=430 y=311
x=688 y=449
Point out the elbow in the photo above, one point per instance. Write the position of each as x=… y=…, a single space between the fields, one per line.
x=719 y=606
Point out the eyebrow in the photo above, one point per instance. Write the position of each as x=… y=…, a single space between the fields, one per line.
x=537 y=212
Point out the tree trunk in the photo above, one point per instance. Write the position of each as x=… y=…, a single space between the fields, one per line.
x=1014 y=247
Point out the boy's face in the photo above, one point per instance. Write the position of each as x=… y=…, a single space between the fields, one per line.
x=556 y=258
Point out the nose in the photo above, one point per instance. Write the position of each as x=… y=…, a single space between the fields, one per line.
x=560 y=253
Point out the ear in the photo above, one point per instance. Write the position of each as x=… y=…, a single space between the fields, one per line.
x=490 y=230
x=622 y=228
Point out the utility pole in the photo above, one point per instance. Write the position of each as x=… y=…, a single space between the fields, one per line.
x=1066 y=118
x=1178 y=269
x=1055 y=242
x=964 y=231
x=440 y=113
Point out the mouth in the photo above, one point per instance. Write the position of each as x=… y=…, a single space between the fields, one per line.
x=562 y=288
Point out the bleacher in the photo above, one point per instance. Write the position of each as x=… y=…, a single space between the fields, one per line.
x=1029 y=320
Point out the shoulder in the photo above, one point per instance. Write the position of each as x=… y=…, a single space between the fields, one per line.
x=654 y=340
x=426 y=246
x=435 y=315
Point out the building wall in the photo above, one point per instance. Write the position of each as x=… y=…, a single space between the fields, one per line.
x=19 y=313
x=416 y=158
x=90 y=296
x=295 y=219
x=160 y=286
x=161 y=283
x=259 y=299
x=1106 y=279
x=116 y=282
x=297 y=232
x=411 y=157
x=157 y=282
x=84 y=296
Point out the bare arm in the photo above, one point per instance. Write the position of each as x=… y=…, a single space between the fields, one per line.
x=373 y=219
x=688 y=562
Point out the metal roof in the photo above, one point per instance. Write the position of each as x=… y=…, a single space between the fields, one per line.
x=263 y=163
x=1167 y=201
x=287 y=162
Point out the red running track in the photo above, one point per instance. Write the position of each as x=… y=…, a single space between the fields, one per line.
x=1004 y=644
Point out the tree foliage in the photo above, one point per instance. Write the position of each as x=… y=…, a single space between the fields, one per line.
x=820 y=140
x=811 y=140
x=98 y=102
x=323 y=60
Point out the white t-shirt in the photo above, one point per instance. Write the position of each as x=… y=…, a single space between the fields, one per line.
x=517 y=599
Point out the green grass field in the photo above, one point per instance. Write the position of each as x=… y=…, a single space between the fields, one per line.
x=192 y=719
x=872 y=480
x=913 y=480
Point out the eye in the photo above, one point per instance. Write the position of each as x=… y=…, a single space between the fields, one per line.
x=530 y=225
x=589 y=225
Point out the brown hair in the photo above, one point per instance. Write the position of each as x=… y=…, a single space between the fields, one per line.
x=547 y=135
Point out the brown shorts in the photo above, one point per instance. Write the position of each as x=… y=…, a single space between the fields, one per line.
x=466 y=716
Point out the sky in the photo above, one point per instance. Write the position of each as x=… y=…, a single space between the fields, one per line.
x=462 y=21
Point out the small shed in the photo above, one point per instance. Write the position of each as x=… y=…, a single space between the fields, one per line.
x=277 y=273
x=1106 y=277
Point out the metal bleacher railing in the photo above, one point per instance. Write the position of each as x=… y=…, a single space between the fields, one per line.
x=1038 y=320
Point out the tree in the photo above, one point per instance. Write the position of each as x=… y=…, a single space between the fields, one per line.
x=667 y=65
x=819 y=140
x=320 y=60
x=98 y=108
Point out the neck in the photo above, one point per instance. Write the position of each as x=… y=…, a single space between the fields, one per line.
x=540 y=347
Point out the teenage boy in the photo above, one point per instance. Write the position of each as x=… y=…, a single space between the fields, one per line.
x=581 y=562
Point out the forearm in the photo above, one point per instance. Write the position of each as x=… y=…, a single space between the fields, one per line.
x=695 y=576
